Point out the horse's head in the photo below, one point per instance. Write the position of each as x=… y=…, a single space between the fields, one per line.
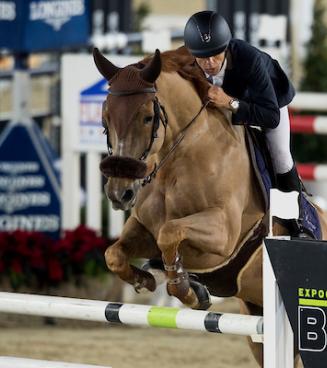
x=131 y=119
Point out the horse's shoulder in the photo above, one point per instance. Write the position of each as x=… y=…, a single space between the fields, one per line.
x=234 y=133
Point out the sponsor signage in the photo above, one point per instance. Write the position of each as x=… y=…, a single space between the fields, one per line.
x=301 y=273
x=29 y=185
x=82 y=94
x=36 y=25
x=91 y=101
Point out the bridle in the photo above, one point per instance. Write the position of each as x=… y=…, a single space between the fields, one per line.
x=160 y=115
x=157 y=118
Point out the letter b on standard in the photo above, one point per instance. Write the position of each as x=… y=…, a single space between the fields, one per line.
x=312 y=334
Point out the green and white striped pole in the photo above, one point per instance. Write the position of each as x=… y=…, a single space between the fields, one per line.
x=130 y=314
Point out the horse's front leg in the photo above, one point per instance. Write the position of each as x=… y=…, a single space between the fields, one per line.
x=207 y=231
x=135 y=242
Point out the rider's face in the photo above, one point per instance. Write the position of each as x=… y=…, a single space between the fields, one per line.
x=211 y=65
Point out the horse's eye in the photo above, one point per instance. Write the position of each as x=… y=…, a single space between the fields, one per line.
x=147 y=119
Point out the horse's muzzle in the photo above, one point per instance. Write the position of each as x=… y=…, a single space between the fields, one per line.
x=123 y=167
x=122 y=198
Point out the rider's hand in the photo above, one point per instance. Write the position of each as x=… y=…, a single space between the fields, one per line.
x=219 y=97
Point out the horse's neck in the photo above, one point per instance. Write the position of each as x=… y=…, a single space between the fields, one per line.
x=180 y=100
x=183 y=104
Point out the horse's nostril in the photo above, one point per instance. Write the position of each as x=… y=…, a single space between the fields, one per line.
x=128 y=195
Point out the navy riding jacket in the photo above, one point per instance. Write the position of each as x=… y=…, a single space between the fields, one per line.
x=258 y=82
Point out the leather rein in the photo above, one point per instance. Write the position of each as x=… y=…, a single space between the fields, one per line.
x=157 y=118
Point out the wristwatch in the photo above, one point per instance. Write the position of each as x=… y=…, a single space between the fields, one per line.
x=234 y=105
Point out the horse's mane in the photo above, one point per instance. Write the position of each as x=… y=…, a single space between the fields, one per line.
x=183 y=63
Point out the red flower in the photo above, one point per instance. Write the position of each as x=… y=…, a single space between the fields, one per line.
x=55 y=271
x=16 y=266
x=30 y=253
x=37 y=261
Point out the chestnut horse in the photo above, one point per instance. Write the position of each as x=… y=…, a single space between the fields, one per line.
x=184 y=171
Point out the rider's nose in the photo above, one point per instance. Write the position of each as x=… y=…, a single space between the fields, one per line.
x=209 y=61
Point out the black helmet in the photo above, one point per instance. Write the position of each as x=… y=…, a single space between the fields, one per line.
x=206 y=34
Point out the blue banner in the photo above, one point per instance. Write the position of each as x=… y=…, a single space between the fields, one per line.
x=40 y=25
x=29 y=185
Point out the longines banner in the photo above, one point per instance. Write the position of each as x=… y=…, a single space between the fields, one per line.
x=29 y=182
x=36 y=25
x=300 y=269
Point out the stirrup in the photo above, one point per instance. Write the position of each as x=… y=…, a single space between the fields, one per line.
x=301 y=232
x=296 y=229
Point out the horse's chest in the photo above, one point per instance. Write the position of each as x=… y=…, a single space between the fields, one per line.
x=180 y=202
x=152 y=211
x=156 y=208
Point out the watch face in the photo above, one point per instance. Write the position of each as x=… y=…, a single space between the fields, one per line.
x=235 y=104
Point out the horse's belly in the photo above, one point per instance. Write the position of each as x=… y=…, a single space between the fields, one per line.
x=198 y=261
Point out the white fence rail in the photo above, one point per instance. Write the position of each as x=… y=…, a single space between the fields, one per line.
x=130 y=314
x=11 y=362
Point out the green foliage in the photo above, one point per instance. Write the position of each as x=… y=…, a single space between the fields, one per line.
x=315 y=78
x=314 y=148
x=140 y=14
x=309 y=148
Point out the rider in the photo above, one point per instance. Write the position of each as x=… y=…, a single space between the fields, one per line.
x=252 y=86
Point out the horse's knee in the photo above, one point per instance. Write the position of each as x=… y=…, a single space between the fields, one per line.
x=115 y=259
x=170 y=235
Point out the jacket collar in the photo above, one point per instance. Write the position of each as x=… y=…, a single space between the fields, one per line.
x=229 y=59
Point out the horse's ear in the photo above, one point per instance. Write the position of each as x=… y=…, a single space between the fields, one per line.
x=151 y=72
x=105 y=67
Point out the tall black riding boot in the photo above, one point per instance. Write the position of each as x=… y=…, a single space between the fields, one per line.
x=289 y=182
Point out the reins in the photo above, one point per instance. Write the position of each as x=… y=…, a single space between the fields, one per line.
x=179 y=139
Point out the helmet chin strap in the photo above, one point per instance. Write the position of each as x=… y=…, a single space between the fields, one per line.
x=222 y=64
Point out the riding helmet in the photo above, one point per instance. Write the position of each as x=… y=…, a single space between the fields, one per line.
x=206 y=34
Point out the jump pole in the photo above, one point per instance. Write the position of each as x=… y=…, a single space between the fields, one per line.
x=10 y=362
x=131 y=314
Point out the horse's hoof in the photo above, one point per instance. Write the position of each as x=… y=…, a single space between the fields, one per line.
x=144 y=281
x=156 y=268
x=201 y=292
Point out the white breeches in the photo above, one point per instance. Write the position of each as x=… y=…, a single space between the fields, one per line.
x=278 y=141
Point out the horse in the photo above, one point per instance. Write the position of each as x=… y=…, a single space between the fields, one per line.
x=184 y=171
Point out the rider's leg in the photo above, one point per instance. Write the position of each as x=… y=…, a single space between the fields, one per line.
x=278 y=141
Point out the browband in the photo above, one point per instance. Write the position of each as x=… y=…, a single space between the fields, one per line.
x=133 y=91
